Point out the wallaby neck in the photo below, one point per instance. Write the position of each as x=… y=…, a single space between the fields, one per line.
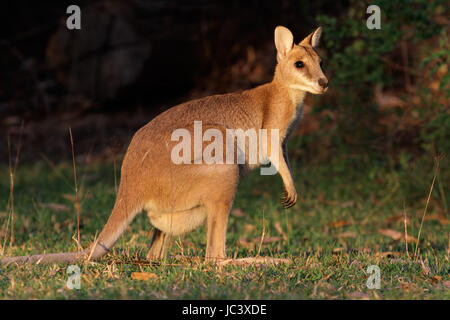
x=283 y=91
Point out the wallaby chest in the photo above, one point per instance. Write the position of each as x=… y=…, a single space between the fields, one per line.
x=296 y=117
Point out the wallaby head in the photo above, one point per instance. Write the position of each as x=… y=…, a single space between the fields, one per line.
x=299 y=65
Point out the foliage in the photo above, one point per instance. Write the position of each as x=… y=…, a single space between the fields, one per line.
x=394 y=58
x=436 y=133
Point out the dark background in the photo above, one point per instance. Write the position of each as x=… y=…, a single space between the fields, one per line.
x=133 y=59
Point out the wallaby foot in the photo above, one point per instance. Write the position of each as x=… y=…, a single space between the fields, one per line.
x=159 y=245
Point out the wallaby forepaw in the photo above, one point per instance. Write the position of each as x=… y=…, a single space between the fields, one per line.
x=289 y=199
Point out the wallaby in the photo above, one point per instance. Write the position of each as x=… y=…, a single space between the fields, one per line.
x=181 y=197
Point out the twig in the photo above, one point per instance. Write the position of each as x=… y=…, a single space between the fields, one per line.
x=93 y=248
x=436 y=169
x=262 y=236
x=19 y=145
x=448 y=246
x=179 y=244
x=12 y=173
x=406 y=232
x=76 y=205
x=255 y=260
x=11 y=194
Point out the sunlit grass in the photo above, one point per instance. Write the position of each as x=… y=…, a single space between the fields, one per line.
x=331 y=236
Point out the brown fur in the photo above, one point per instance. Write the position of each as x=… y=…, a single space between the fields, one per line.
x=179 y=198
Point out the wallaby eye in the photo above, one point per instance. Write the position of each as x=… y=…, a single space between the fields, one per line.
x=299 y=64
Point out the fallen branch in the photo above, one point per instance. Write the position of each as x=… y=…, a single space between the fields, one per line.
x=255 y=260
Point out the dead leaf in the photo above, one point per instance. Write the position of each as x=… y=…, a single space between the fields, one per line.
x=356 y=263
x=237 y=212
x=338 y=224
x=248 y=227
x=436 y=279
x=387 y=100
x=58 y=207
x=69 y=197
x=396 y=235
x=348 y=234
x=435 y=85
x=245 y=243
x=397 y=217
x=347 y=204
x=437 y=217
x=359 y=296
x=405 y=285
x=144 y=276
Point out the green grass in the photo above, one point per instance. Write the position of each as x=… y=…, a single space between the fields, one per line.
x=331 y=234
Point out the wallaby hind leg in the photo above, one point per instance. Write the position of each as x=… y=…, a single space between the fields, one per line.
x=159 y=245
x=218 y=207
x=216 y=228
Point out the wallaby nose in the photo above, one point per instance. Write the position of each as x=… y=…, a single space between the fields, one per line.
x=323 y=82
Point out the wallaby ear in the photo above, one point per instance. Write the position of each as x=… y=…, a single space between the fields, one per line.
x=312 y=39
x=284 y=41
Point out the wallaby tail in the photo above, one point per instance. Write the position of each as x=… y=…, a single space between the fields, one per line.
x=119 y=219
x=45 y=258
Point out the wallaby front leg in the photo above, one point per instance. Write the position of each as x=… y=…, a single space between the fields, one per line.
x=289 y=197
x=285 y=155
x=159 y=245
x=290 y=193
